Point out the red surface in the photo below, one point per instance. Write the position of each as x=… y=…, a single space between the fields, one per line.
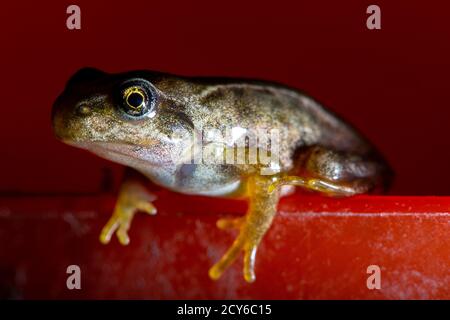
x=317 y=248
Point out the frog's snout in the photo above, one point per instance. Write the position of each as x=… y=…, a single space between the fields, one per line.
x=67 y=118
x=59 y=124
x=73 y=106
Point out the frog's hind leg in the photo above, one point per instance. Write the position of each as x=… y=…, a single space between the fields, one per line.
x=317 y=168
x=252 y=227
x=334 y=173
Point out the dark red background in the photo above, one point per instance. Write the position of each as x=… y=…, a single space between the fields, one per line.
x=393 y=84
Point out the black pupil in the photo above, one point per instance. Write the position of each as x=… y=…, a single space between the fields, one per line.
x=135 y=99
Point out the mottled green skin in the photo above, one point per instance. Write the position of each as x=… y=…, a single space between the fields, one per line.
x=185 y=106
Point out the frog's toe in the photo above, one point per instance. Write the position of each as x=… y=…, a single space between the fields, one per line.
x=227 y=259
x=109 y=229
x=120 y=223
x=249 y=262
x=146 y=207
x=122 y=232
x=230 y=223
x=244 y=243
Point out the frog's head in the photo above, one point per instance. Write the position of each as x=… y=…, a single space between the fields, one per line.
x=126 y=118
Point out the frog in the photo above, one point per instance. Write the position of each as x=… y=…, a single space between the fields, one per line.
x=157 y=124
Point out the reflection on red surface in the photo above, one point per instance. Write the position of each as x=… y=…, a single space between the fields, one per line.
x=317 y=248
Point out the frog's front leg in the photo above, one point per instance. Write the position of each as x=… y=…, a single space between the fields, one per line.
x=252 y=227
x=133 y=196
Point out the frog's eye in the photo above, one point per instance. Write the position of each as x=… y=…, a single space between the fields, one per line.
x=136 y=98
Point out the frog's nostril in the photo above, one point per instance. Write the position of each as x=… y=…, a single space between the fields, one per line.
x=83 y=110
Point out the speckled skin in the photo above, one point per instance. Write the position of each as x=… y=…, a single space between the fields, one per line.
x=317 y=150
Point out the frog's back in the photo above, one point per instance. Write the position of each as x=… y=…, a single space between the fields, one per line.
x=254 y=103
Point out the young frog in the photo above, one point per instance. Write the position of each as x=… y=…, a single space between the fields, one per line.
x=217 y=137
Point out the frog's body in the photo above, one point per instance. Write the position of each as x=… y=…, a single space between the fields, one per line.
x=148 y=121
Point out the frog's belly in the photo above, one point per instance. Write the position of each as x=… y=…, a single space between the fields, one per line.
x=199 y=179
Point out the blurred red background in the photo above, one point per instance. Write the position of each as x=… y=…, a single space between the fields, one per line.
x=392 y=83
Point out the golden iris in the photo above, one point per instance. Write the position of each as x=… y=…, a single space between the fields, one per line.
x=134 y=98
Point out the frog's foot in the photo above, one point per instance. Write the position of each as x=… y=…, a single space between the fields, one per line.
x=252 y=227
x=132 y=197
x=244 y=242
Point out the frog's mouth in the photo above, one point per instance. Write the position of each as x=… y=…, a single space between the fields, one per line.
x=125 y=153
